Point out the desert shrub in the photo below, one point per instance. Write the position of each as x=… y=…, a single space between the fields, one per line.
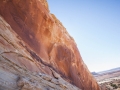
x=114 y=86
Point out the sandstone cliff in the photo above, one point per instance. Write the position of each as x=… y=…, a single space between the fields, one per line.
x=16 y=66
x=38 y=42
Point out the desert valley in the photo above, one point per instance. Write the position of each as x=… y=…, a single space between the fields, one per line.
x=109 y=79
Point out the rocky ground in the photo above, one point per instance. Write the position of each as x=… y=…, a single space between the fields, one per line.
x=108 y=81
x=110 y=84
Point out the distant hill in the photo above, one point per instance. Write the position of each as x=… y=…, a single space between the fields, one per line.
x=107 y=74
x=94 y=73
x=109 y=71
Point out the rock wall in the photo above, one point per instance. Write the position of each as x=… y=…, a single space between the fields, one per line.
x=43 y=42
x=17 y=67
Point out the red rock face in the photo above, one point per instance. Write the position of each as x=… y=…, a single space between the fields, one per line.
x=47 y=41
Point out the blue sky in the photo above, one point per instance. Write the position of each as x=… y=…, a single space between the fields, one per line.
x=95 y=27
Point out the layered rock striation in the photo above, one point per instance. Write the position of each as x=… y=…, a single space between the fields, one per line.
x=20 y=71
x=36 y=41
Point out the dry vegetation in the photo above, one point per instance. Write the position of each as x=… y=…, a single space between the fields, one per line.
x=110 y=84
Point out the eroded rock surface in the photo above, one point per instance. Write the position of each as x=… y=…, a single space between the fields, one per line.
x=39 y=43
x=19 y=71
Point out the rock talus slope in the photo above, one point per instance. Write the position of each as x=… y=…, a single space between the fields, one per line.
x=38 y=42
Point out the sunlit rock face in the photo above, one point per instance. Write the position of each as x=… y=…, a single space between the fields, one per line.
x=43 y=38
x=20 y=71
